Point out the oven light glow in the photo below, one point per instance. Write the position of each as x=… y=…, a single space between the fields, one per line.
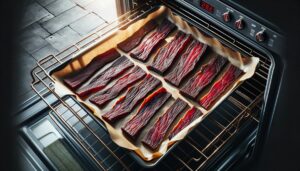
x=206 y=6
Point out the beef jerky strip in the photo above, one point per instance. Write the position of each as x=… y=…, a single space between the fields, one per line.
x=118 y=67
x=85 y=73
x=186 y=63
x=219 y=87
x=124 y=82
x=158 y=131
x=126 y=62
x=204 y=77
x=132 y=97
x=168 y=53
x=187 y=119
x=146 y=111
x=131 y=42
x=143 y=51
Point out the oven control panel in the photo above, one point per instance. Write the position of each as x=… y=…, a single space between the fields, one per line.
x=238 y=21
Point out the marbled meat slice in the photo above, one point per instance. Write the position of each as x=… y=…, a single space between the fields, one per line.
x=76 y=80
x=204 y=77
x=132 y=97
x=135 y=75
x=168 y=53
x=187 y=62
x=158 y=131
x=187 y=119
x=118 y=67
x=143 y=51
x=131 y=42
x=147 y=110
x=126 y=62
x=228 y=78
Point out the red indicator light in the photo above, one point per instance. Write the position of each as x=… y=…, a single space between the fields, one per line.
x=207 y=6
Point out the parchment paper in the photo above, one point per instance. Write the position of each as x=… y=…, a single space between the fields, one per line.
x=248 y=65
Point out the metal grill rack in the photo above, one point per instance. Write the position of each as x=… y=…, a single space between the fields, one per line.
x=241 y=107
x=92 y=136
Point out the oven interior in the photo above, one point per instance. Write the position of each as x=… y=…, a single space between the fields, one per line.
x=238 y=119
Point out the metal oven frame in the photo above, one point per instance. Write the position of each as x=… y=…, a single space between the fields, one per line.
x=243 y=113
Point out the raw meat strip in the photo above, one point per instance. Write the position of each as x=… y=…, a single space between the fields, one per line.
x=116 y=69
x=158 y=131
x=168 y=53
x=144 y=49
x=131 y=42
x=188 y=118
x=85 y=73
x=146 y=111
x=127 y=80
x=219 y=87
x=204 y=77
x=186 y=63
x=133 y=96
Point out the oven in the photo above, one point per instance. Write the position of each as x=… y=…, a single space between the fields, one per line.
x=59 y=133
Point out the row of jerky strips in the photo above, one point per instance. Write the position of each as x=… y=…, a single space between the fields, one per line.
x=187 y=52
x=164 y=59
x=149 y=104
x=133 y=97
x=159 y=130
x=162 y=62
x=140 y=48
x=135 y=94
x=118 y=67
x=187 y=62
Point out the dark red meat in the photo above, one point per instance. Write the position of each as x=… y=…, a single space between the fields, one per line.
x=186 y=63
x=144 y=49
x=85 y=73
x=146 y=111
x=116 y=69
x=168 y=53
x=132 y=97
x=219 y=87
x=158 y=131
x=204 y=77
x=123 y=62
x=188 y=118
x=124 y=82
x=136 y=38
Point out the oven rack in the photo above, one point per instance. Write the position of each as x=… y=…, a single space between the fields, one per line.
x=241 y=107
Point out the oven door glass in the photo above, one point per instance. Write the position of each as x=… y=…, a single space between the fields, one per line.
x=46 y=136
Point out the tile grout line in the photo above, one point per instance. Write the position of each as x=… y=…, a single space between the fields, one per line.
x=89 y=12
x=22 y=30
x=100 y=17
x=76 y=6
x=30 y=54
x=41 y=24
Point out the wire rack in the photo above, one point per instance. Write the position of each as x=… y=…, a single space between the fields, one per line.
x=203 y=143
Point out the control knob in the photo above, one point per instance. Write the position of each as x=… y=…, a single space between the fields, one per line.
x=239 y=24
x=260 y=36
x=227 y=16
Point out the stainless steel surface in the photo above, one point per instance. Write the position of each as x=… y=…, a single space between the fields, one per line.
x=241 y=107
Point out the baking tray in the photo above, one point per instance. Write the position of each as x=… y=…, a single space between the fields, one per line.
x=143 y=162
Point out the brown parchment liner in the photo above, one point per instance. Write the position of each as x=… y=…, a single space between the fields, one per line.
x=248 y=65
